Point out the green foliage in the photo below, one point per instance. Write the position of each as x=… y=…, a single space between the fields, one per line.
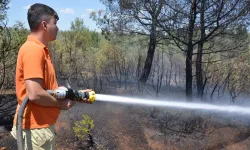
x=74 y=50
x=83 y=127
x=3 y=8
x=77 y=24
x=10 y=40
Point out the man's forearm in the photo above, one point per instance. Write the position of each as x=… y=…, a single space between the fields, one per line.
x=43 y=98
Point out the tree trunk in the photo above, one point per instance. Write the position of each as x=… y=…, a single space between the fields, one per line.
x=189 y=75
x=199 y=76
x=150 y=55
x=4 y=68
x=138 y=68
x=189 y=78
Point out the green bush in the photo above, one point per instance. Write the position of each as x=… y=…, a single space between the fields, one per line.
x=83 y=127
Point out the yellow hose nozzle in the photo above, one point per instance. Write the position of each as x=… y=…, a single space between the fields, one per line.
x=92 y=96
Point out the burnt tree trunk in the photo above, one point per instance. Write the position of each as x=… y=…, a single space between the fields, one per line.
x=189 y=74
x=149 y=59
x=199 y=72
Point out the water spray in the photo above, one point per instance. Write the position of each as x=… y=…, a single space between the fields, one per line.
x=174 y=104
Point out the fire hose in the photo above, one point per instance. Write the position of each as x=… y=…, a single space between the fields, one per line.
x=58 y=94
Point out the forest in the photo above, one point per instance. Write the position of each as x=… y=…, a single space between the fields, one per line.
x=185 y=50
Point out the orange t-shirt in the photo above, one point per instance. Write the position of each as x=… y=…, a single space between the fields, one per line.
x=34 y=61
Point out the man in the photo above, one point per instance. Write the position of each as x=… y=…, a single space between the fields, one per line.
x=34 y=75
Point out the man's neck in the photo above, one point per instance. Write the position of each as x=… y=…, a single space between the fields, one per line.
x=40 y=37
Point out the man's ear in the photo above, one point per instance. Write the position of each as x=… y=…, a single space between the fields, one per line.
x=44 y=24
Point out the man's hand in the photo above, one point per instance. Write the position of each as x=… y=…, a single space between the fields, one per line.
x=66 y=104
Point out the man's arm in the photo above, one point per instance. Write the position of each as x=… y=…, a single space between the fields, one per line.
x=38 y=95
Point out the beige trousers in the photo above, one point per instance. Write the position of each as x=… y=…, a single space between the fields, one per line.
x=38 y=139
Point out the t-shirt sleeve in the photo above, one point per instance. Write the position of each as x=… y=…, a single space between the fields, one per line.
x=33 y=63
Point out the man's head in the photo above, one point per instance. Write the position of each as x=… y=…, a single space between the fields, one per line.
x=43 y=18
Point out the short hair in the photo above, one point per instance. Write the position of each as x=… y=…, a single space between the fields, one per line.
x=38 y=13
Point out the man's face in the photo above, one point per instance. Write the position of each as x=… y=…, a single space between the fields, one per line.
x=51 y=29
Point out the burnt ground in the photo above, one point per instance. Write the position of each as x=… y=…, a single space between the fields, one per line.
x=130 y=127
x=119 y=127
